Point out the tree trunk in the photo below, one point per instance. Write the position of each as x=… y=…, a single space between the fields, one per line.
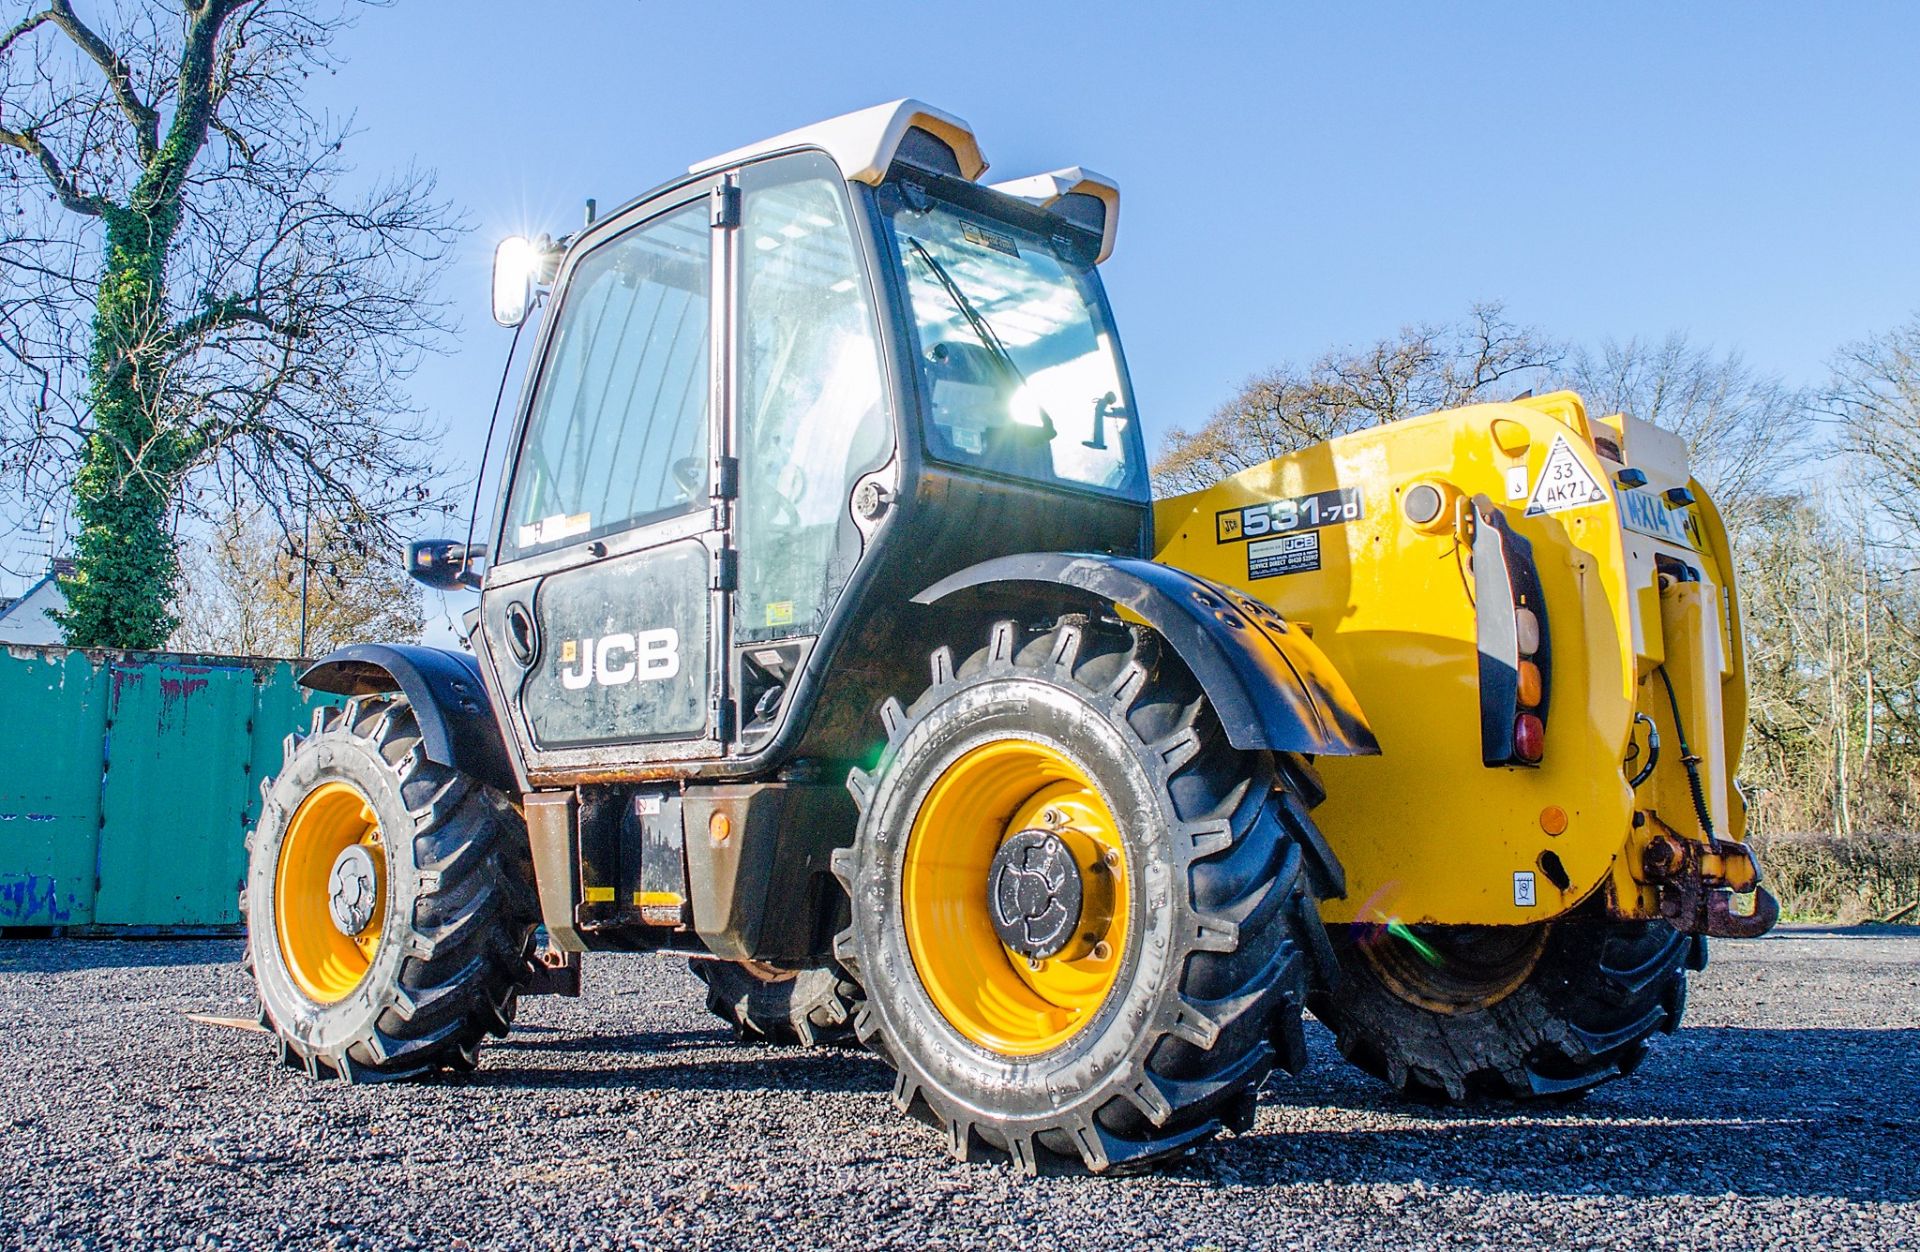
x=125 y=564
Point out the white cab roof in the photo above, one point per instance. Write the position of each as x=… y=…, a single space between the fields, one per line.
x=862 y=144
x=1045 y=189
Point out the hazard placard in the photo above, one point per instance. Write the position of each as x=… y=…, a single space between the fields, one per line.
x=1564 y=482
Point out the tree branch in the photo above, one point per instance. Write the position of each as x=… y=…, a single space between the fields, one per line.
x=145 y=119
x=25 y=25
x=231 y=311
x=193 y=114
x=70 y=196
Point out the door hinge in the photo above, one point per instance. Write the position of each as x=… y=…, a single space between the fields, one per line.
x=726 y=570
x=722 y=711
x=724 y=206
x=726 y=477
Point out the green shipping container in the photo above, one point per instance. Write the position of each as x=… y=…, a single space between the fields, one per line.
x=128 y=781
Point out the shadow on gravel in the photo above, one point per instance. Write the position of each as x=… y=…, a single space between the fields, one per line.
x=53 y=956
x=558 y=1040
x=1719 y=1110
x=625 y=1062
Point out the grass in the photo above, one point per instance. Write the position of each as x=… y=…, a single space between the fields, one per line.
x=1826 y=878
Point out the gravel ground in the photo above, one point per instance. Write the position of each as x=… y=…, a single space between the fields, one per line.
x=1784 y=1115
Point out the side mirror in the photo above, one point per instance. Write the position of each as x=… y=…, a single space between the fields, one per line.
x=515 y=261
x=445 y=564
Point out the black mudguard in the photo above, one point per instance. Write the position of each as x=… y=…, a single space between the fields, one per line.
x=1272 y=688
x=457 y=726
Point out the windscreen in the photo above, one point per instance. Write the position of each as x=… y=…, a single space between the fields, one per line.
x=1021 y=365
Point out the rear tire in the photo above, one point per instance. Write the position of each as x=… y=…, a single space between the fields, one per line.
x=1457 y=1014
x=448 y=932
x=1205 y=967
x=805 y=1007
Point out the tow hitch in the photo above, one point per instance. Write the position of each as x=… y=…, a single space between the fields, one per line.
x=1698 y=883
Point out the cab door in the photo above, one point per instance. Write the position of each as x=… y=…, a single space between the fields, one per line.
x=811 y=421
x=600 y=608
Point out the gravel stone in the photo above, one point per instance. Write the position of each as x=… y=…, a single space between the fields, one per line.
x=1784 y=1114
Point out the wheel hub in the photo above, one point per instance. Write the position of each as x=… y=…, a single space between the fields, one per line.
x=1034 y=894
x=352 y=890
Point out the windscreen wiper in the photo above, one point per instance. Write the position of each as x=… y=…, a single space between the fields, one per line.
x=981 y=329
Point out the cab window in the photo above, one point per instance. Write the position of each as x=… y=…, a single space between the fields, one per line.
x=1018 y=355
x=617 y=435
x=811 y=418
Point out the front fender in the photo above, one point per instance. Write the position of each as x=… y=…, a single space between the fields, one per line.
x=1272 y=687
x=457 y=726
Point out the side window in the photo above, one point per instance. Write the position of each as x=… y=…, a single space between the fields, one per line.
x=811 y=415
x=618 y=430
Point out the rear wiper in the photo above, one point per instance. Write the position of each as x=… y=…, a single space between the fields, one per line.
x=981 y=329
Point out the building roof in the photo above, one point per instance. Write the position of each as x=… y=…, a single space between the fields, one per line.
x=25 y=620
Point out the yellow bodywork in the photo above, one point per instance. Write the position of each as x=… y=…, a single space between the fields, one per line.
x=1426 y=831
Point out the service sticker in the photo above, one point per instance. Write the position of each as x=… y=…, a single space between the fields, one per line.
x=780 y=613
x=1284 y=554
x=559 y=526
x=988 y=239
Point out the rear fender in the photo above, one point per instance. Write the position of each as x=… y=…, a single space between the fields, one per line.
x=457 y=726
x=1272 y=688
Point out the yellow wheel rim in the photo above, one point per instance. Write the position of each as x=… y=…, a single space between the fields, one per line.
x=326 y=962
x=989 y=992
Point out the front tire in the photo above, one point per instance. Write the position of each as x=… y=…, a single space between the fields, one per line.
x=389 y=901
x=1079 y=753
x=1457 y=1014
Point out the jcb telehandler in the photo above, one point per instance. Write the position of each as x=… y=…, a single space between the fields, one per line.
x=828 y=633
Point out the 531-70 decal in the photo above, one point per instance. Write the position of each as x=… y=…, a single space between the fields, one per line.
x=1277 y=517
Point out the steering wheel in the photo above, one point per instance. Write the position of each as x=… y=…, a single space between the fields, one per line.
x=785 y=491
x=690 y=475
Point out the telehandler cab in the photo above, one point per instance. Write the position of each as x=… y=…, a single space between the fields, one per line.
x=828 y=634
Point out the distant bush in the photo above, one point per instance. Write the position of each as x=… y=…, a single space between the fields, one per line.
x=1824 y=878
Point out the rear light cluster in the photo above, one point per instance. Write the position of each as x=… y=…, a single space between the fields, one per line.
x=1512 y=637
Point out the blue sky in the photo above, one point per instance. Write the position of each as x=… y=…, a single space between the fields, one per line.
x=1293 y=177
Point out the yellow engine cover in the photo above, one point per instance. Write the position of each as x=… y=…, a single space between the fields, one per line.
x=1427 y=832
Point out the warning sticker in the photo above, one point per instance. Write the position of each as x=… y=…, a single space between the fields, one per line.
x=1287 y=554
x=1564 y=483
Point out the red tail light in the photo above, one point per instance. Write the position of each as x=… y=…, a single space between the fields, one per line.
x=1529 y=738
x=1515 y=652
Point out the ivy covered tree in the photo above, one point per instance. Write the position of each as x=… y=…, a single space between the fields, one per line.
x=201 y=309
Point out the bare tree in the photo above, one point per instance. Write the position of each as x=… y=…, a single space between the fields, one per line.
x=1744 y=429
x=243 y=592
x=1424 y=368
x=1875 y=396
x=197 y=310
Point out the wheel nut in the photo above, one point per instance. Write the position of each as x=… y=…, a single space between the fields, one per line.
x=1102 y=951
x=1111 y=858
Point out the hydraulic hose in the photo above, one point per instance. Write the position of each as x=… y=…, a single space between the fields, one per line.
x=1688 y=759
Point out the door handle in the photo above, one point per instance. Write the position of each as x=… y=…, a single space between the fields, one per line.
x=523 y=635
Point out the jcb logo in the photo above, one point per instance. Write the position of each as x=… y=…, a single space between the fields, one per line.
x=613 y=660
